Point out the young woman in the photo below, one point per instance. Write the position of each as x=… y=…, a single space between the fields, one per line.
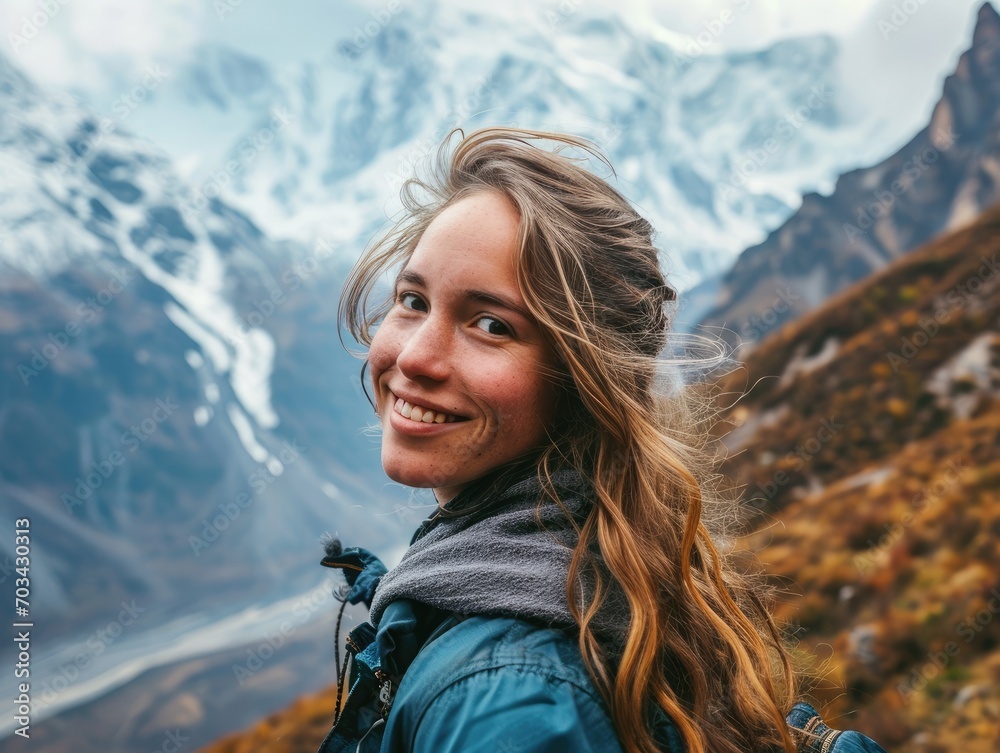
x=566 y=595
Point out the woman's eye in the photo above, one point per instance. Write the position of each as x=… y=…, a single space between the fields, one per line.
x=404 y=297
x=493 y=326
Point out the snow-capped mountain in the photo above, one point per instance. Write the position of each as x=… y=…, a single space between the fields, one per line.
x=175 y=411
x=940 y=180
x=227 y=79
x=716 y=149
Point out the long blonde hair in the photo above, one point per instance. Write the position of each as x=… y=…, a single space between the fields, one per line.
x=701 y=643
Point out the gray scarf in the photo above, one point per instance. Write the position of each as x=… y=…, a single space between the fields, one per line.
x=504 y=564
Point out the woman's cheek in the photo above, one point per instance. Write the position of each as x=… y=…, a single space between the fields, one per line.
x=518 y=405
x=380 y=353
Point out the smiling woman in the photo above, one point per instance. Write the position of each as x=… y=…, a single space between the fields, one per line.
x=566 y=595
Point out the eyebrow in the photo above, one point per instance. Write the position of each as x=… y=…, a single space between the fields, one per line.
x=481 y=296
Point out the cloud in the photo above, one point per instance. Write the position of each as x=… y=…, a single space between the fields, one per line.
x=91 y=44
x=752 y=23
x=898 y=70
x=99 y=47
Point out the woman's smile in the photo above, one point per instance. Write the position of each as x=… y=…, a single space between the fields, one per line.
x=418 y=409
x=419 y=420
x=461 y=375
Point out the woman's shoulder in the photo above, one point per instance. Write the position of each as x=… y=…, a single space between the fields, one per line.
x=481 y=644
x=495 y=681
x=501 y=678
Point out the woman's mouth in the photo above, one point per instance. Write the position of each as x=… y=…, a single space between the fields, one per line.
x=422 y=414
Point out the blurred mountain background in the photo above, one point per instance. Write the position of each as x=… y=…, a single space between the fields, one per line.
x=182 y=426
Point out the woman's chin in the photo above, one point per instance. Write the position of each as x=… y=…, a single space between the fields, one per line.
x=414 y=474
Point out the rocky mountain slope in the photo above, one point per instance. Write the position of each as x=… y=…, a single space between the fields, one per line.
x=940 y=180
x=172 y=399
x=868 y=446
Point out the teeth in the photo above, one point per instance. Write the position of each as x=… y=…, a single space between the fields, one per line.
x=418 y=413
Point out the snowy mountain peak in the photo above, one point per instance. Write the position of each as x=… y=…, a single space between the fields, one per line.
x=715 y=148
x=79 y=189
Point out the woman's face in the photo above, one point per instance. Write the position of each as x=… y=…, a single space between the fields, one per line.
x=457 y=362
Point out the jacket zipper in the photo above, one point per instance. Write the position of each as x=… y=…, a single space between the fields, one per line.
x=386 y=695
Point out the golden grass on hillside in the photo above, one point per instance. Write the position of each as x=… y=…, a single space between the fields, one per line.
x=298 y=729
x=875 y=468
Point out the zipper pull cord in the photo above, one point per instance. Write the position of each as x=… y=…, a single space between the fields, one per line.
x=342 y=674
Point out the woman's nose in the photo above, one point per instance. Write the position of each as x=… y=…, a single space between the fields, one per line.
x=425 y=350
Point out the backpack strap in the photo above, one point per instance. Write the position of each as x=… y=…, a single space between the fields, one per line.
x=812 y=735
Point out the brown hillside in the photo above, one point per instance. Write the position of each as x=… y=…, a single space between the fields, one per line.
x=869 y=445
x=298 y=729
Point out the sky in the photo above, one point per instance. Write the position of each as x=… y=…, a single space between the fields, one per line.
x=85 y=41
x=98 y=48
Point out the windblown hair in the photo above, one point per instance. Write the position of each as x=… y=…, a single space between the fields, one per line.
x=701 y=644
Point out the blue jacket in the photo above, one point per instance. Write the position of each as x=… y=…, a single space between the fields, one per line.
x=429 y=681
